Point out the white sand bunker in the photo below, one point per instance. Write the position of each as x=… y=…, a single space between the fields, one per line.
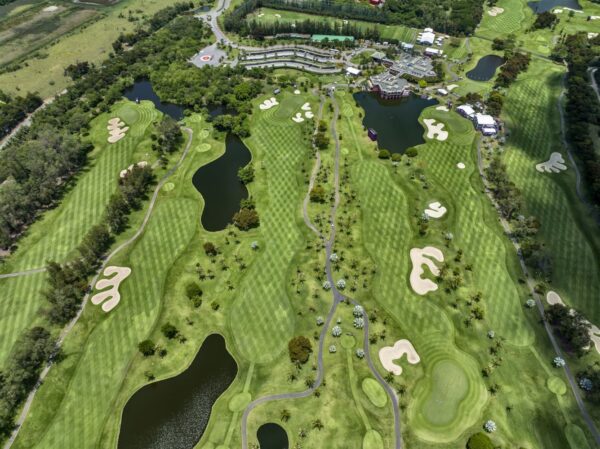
x=595 y=337
x=495 y=11
x=306 y=107
x=116 y=130
x=435 y=130
x=442 y=108
x=296 y=92
x=50 y=8
x=124 y=173
x=451 y=87
x=555 y=164
x=435 y=210
x=388 y=354
x=298 y=118
x=268 y=104
x=461 y=166
x=112 y=294
x=420 y=257
x=309 y=114
x=553 y=298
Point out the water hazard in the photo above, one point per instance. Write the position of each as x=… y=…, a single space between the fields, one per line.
x=220 y=186
x=173 y=413
x=395 y=121
x=272 y=436
x=549 y=5
x=142 y=90
x=486 y=68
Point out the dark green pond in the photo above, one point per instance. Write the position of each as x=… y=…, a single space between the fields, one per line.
x=142 y=90
x=173 y=413
x=396 y=121
x=549 y=5
x=272 y=436
x=219 y=184
x=485 y=68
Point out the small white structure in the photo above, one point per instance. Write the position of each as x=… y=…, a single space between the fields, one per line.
x=466 y=110
x=487 y=131
x=442 y=92
x=426 y=37
x=353 y=71
x=430 y=51
x=484 y=121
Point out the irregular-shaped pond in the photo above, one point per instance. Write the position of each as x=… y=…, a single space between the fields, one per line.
x=220 y=186
x=549 y=5
x=396 y=121
x=485 y=68
x=272 y=436
x=142 y=90
x=173 y=413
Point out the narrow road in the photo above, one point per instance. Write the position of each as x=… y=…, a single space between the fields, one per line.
x=592 y=72
x=337 y=298
x=67 y=329
x=531 y=285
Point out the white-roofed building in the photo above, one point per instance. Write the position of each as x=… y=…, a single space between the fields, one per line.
x=484 y=121
x=429 y=51
x=428 y=30
x=487 y=131
x=443 y=92
x=426 y=38
x=353 y=71
x=466 y=110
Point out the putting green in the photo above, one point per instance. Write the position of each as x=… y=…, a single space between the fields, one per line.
x=239 y=402
x=348 y=341
x=345 y=151
x=556 y=385
x=128 y=113
x=168 y=187
x=374 y=392
x=347 y=110
x=372 y=440
x=576 y=437
x=204 y=134
x=203 y=147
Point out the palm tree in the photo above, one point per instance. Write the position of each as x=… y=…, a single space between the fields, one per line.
x=285 y=415
x=389 y=378
x=317 y=424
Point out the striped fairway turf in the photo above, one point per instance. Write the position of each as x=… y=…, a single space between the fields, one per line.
x=112 y=343
x=510 y=21
x=61 y=230
x=532 y=104
x=261 y=317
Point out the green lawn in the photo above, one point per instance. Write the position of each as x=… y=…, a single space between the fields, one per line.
x=60 y=230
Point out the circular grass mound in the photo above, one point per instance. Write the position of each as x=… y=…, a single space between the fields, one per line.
x=345 y=150
x=239 y=402
x=348 y=341
x=372 y=440
x=168 y=186
x=204 y=134
x=556 y=385
x=374 y=392
x=479 y=441
x=203 y=147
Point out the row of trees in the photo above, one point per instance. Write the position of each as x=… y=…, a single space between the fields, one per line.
x=571 y=326
x=456 y=17
x=582 y=108
x=516 y=63
x=14 y=110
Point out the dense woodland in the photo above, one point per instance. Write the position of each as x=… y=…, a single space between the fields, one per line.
x=455 y=17
x=582 y=108
x=259 y=29
x=14 y=110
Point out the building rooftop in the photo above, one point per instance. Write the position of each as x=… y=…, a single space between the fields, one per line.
x=485 y=120
x=389 y=83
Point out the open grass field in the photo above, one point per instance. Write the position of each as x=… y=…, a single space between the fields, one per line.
x=60 y=230
x=531 y=114
x=93 y=43
x=268 y=15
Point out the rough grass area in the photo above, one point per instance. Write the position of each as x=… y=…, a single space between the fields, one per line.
x=60 y=230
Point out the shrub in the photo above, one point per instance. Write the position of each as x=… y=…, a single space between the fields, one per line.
x=169 y=331
x=317 y=194
x=147 y=348
x=210 y=249
x=336 y=331
x=412 y=152
x=384 y=154
x=246 y=174
x=480 y=441
x=246 y=219
x=299 y=349
x=193 y=290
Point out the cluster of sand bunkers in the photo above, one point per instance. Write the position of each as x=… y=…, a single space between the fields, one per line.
x=50 y=8
x=307 y=113
x=495 y=11
x=116 y=130
x=442 y=108
x=435 y=130
x=388 y=354
x=110 y=297
x=554 y=298
x=124 y=173
x=555 y=164
x=268 y=104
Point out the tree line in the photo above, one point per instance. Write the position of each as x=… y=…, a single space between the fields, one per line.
x=516 y=62
x=582 y=107
x=455 y=17
x=13 y=110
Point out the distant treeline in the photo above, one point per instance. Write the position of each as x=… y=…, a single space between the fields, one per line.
x=261 y=29
x=14 y=110
x=583 y=109
x=455 y=17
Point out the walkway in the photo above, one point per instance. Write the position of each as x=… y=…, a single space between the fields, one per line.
x=65 y=332
x=337 y=298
